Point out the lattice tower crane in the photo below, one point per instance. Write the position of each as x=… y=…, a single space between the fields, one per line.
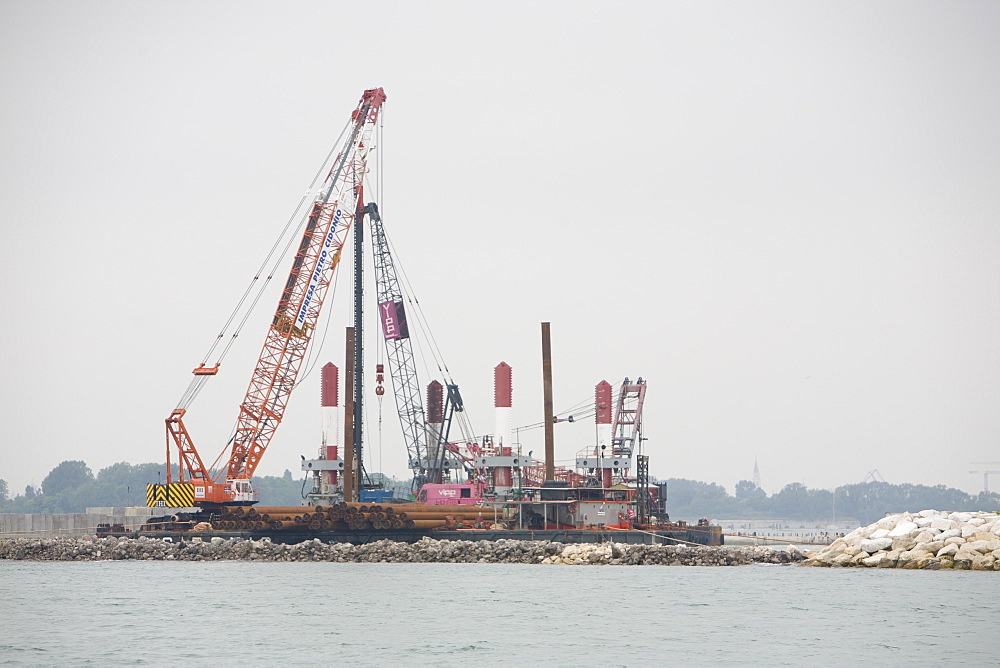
x=427 y=448
x=399 y=354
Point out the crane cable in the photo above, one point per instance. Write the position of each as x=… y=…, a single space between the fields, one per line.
x=379 y=350
x=427 y=334
x=435 y=354
x=422 y=322
x=263 y=285
x=198 y=382
x=312 y=355
x=577 y=412
x=406 y=288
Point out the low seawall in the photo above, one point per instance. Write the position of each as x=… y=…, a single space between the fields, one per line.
x=427 y=550
x=66 y=525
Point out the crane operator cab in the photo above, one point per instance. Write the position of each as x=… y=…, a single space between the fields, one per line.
x=241 y=491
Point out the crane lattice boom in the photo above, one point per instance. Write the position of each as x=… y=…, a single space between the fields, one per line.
x=337 y=204
x=399 y=351
x=626 y=429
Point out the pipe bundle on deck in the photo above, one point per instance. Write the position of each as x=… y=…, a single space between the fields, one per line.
x=349 y=517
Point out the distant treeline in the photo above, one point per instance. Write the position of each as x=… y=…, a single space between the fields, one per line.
x=71 y=487
x=865 y=502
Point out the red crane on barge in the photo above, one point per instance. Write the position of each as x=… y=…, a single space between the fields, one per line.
x=338 y=204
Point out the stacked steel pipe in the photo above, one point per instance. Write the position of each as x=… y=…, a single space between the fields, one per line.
x=351 y=516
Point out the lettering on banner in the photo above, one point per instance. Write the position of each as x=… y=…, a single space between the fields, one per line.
x=321 y=262
x=393 y=318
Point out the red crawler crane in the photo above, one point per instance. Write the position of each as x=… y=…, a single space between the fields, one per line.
x=339 y=202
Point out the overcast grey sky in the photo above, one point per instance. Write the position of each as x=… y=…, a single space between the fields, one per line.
x=782 y=215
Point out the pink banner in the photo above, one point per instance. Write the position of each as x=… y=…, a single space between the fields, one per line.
x=393 y=320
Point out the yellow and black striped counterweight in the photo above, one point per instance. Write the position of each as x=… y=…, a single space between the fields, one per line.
x=175 y=495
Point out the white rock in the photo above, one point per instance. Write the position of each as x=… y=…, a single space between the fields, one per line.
x=932 y=546
x=965 y=556
x=902 y=529
x=874 y=559
x=982 y=546
x=854 y=540
x=942 y=523
x=983 y=562
x=969 y=539
x=855 y=535
x=948 y=550
x=873 y=545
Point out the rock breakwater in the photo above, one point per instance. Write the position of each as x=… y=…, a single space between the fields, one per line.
x=929 y=539
x=426 y=550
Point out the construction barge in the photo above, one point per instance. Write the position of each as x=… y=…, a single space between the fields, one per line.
x=359 y=524
x=466 y=486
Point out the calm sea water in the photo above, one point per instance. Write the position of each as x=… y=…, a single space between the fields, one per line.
x=452 y=614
